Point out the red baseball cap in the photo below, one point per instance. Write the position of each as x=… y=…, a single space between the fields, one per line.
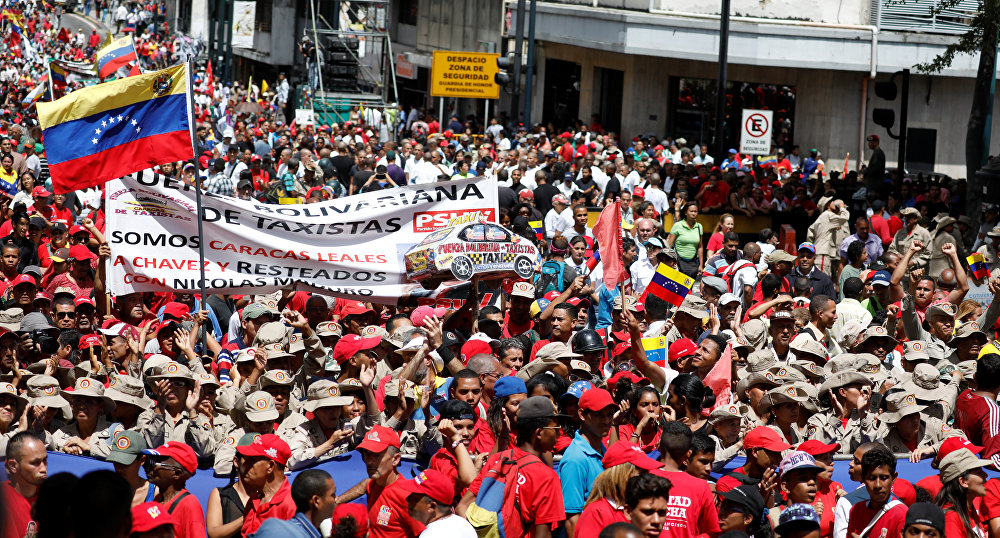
x=815 y=447
x=634 y=378
x=432 y=483
x=596 y=400
x=148 y=516
x=23 y=279
x=175 y=310
x=380 y=438
x=474 y=347
x=181 y=453
x=268 y=445
x=551 y=296
x=575 y=301
x=903 y=489
x=353 y=510
x=639 y=192
x=952 y=444
x=622 y=347
x=354 y=308
x=681 y=348
x=626 y=452
x=89 y=340
x=84 y=300
x=526 y=195
x=766 y=438
x=40 y=191
x=76 y=228
x=80 y=252
x=350 y=345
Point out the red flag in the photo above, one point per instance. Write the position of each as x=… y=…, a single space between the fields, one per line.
x=63 y=35
x=720 y=379
x=134 y=70
x=209 y=80
x=608 y=234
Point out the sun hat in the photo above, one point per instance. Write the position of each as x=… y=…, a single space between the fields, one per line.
x=325 y=393
x=43 y=390
x=959 y=462
x=90 y=388
x=899 y=405
x=259 y=406
x=129 y=390
x=925 y=383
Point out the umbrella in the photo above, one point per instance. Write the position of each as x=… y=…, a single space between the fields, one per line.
x=249 y=107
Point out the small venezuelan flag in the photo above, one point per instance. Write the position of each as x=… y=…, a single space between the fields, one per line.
x=656 y=349
x=118 y=54
x=770 y=159
x=977 y=264
x=58 y=76
x=539 y=229
x=110 y=130
x=669 y=284
x=594 y=260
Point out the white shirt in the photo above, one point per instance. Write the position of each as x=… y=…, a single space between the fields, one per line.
x=744 y=277
x=642 y=273
x=567 y=190
x=658 y=198
x=452 y=526
x=557 y=222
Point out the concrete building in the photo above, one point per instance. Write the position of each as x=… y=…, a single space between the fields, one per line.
x=650 y=66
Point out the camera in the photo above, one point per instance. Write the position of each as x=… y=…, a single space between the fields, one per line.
x=46 y=344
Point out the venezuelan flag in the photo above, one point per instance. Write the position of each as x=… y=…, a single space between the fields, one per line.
x=110 y=130
x=656 y=349
x=770 y=159
x=594 y=260
x=37 y=93
x=977 y=264
x=539 y=229
x=669 y=284
x=58 y=76
x=118 y=54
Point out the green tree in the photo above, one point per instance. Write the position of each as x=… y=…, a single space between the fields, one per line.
x=982 y=39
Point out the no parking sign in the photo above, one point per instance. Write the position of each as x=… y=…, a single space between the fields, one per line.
x=755 y=132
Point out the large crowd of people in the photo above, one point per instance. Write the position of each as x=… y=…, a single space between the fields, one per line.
x=543 y=413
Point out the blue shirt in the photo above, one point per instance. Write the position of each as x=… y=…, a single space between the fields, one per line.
x=579 y=467
x=606 y=299
x=297 y=527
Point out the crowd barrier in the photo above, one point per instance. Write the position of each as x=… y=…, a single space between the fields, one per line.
x=349 y=469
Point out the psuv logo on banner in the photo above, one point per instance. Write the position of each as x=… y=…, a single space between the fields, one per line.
x=429 y=221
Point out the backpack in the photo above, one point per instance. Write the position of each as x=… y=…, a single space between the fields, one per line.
x=553 y=277
x=731 y=271
x=485 y=512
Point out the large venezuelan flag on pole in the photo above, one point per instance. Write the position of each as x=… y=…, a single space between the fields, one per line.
x=114 y=56
x=110 y=130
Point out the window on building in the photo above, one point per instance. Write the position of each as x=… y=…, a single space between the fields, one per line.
x=921 y=146
x=407 y=12
x=262 y=15
x=692 y=109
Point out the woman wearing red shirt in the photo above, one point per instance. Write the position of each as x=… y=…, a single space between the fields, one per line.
x=643 y=426
x=964 y=481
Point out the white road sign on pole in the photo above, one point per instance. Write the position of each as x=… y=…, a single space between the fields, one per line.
x=755 y=132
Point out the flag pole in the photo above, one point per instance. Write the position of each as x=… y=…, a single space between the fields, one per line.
x=52 y=93
x=197 y=192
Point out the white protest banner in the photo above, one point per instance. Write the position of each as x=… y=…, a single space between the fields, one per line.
x=244 y=21
x=350 y=247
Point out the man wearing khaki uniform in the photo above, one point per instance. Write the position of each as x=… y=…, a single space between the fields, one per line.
x=829 y=230
x=912 y=231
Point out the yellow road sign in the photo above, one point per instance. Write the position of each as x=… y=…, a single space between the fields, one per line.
x=464 y=74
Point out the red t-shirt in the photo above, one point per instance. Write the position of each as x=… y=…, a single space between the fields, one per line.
x=445 y=461
x=990 y=507
x=979 y=418
x=538 y=493
x=648 y=442
x=281 y=506
x=63 y=215
x=596 y=516
x=954 y=528
x=890 y=524
x=880 y=228
x=715 y=242
x=691 y=508
x=895 y=225
x=18 y=522
x=826 y=493
x=388 y=516
x=716 y=196
x=189 y=517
